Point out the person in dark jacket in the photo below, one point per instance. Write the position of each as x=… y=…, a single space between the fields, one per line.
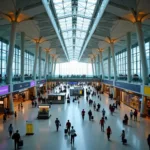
x=16 y=138
x=57 y=123
x=148 y=141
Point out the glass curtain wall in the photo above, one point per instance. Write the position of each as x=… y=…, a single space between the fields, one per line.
x=135 y=61
x=28 y=64
x=16 y=62
x=121 y=62
x=147 y=48
x=74 y=68
x=105 y=64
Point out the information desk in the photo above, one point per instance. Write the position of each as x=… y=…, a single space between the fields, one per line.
x=76 y=92
x=55 y=98
x=44 y=111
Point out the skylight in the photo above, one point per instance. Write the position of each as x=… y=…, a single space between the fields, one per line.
x=74 y=17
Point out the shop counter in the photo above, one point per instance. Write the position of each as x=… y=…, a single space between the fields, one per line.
x=44 y=112
x=56 y=98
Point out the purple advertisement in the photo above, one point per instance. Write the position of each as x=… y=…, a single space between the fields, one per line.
x=4 y=90
x=32 y=83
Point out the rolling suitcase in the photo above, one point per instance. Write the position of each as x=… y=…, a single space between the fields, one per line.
x=125 y=141
x=20 y=143
x=92 y=117
x=65 y=131
x=68 y=101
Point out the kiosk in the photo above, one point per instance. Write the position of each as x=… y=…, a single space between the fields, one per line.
x=44 y=111
x=55 y=98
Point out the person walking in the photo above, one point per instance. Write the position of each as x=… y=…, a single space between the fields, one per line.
x=94 y=106
x=102 y=121
x=83 y=114
x=16 y=138
x=35 y=104
x=148 y=141
x=15 y=114
x=10 y=130
x=108 y=132
x=4 y=118
x=123 y=137
x=98 y=107
x=57 y=123
x=135 y=115
x=73 y=134
x=103 y=112
x=68 y=126
x=131 y=114
x=90 y=114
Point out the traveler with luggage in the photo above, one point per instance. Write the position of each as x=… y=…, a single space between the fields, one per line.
x=102 y=121
x=135 y=115
x=10 y=130
x=73 y=135
x=98 y=107
x=109 y=132
x=131 y=114
x=83 y=114
x=16 y=138
x=125 y=121
x=68 y=126
x=148 y=141
x=103 y=112
x=57 y=123
x=124 y=140
x=90 y=114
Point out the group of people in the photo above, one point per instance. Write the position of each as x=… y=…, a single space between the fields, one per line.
x=70 y=131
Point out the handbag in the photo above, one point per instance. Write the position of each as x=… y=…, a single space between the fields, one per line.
x=75 y=135
x=59 y=124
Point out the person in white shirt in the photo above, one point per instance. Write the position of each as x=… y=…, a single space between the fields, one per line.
x=73 y=134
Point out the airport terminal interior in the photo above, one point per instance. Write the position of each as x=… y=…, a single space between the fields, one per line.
x=86 y=61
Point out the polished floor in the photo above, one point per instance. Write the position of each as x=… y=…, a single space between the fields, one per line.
x=89 y=135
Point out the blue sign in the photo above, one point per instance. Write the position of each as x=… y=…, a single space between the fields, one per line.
x=17 y=87
x=108 y=82
x=128 y=86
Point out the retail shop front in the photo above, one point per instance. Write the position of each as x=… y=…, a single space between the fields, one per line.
x=129 y=94
x=147 y=100
x=4 y=91
x=23 y=91
x=107 y=87
x=41 y=86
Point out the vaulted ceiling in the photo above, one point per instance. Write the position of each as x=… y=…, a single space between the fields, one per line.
x=110 y=24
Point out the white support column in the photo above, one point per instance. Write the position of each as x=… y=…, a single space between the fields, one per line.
x=52 y=62
x=102 y=67
x=129 y=56
x=46 y=61
x=11 y=53
x=98 y=65
x=40 y=50
x=114 y=60
x=22 y=56
x=35 y=60
x=140 y=38
x=109 y=54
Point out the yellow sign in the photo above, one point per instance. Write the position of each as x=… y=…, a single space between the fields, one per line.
x=81 y=92
x=147 y=90
x=29 y=128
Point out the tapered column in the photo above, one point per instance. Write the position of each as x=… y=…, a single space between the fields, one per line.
x=46 y=61
x=35 y=60
x=140 y=38
x=129 y=56
x=92 y=66
x=98 y=65
x=52 y=62
x=54 y=66
x=22 y=56
x=10 y=100
x=48 y=65
x=101 y=60
x=40 y=51
x=143 y=107
x=11 y=53
x=114 y=61
x=95 y=66
x=109 y=54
